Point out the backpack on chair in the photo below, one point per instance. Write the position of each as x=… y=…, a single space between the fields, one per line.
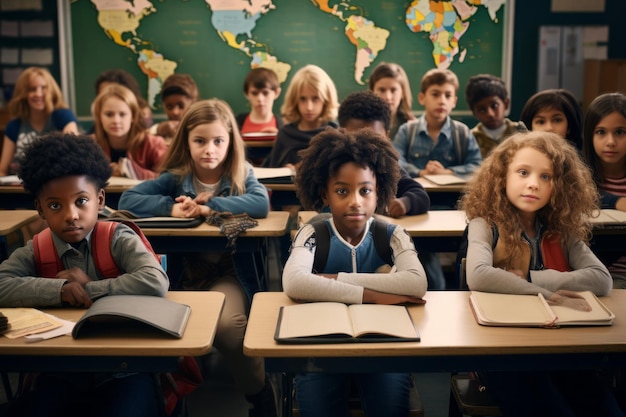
x=175 y=385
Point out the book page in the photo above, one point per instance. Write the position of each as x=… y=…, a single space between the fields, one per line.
x=445 y=179
x=314 y=319
x=263 y=173
x=10 y=180
x=381 y=319
x=510 y=309
x=599 y=314
x=25 y=321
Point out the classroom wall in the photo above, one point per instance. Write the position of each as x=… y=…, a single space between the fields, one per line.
x=529 y=16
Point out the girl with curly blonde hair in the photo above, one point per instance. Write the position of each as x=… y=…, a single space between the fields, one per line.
x=528 y=207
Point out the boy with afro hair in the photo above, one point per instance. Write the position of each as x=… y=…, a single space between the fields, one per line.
x=67 y=175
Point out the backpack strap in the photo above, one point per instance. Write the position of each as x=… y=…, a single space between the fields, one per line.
x=382 y=238
x=101 y=247
x=101 y=240
x=460 y=138
x=322 y=245
x=47 y=261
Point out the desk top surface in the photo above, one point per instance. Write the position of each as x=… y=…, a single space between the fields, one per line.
x=431 y=187
x=11 y=220
x=115 y=185
x=275 y=224
x=447 y=327
x=431 y=224
x=206 y=307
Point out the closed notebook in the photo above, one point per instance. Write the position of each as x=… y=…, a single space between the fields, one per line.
x=331 y=322
x=150 y=222
x=274 y=175
x=121 y=312
x=492 y=309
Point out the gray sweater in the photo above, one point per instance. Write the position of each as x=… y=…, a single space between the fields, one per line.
x=142 y=274
x=588 y=273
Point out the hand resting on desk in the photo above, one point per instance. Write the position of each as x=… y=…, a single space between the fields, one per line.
x=569 y=299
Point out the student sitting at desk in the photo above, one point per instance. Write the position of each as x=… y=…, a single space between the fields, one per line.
x=37 y=108
x=355 y=174
x=528 y=234
x=365 y=109
x=134 y=153
x=67 y=175
x=206 y=172
x=604 y=147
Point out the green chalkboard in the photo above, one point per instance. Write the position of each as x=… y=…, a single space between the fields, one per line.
x=217 y=41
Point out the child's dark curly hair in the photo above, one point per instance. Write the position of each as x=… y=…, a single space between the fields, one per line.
x=366 y=106
x=58 y=155
x=331 y=149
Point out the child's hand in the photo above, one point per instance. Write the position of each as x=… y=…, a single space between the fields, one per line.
x=74 y=275
x=569 y=299
x=396 y=208
x=435 y=168
x=377 y=297
x=203 y=197
x=115 y=170
x=75 y=295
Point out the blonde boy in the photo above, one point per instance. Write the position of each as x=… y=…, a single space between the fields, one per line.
x=434 y=143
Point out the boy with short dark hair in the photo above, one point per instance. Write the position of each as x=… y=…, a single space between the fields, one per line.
x=488 y=99
x=67 y=175
x=434 y=143
x=261 y=88
x=364 y=109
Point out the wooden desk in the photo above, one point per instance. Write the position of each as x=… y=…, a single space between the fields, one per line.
x=11 y=221
x=260 y=143
x=435 y=231
x=175 y=242
x=442 y=196
x=451 y=340
x=125 y=352
x=15 y=197
x=168 y=240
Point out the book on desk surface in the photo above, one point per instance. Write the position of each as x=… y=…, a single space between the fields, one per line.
x=515 y=310
x=110 y=214
x=111 y=313
x=331 y=322
x=610 y=217
x=274 y=175
x=10 y=180
x=259 y=136
x=445 y=179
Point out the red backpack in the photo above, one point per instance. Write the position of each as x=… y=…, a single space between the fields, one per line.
x=47 y=261
x=176 y=385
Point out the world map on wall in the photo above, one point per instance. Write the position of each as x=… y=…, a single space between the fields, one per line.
x=236 y=21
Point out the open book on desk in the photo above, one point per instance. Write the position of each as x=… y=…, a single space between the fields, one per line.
x=150 y=222
x=331 y=322
x=445 y=179
x=610 y=217
x=115 y=313
x=515 y=310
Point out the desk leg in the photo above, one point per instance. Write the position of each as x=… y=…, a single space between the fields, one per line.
x=287 y=394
